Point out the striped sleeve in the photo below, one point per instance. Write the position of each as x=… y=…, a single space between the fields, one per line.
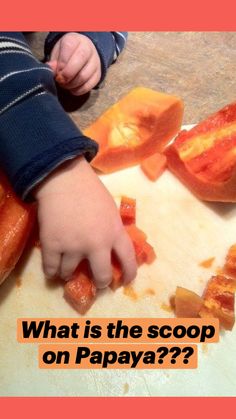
x=120 y=41
x=108 y=44
x=36 y=134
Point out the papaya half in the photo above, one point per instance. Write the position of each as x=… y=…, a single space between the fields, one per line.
x=204 y=158
x=137 y=126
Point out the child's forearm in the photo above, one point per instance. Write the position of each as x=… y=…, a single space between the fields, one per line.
x=36 y=135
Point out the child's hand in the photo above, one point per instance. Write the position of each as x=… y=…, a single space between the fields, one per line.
x=76 y=63
x=78 y=219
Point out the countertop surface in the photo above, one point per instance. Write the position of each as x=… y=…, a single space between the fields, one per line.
x=197 y=66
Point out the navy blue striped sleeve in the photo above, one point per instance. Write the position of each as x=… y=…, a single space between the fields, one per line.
x=36 y=134
x=108 y=44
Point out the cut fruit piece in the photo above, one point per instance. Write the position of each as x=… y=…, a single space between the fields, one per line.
x=154 y=166
x=144 y=253
x=187 y=303
x=80 y=290
x=128 y=210
x=219 y=300
x=143 y=250
x=204 y=158
x=134 y=128
x=135 y=233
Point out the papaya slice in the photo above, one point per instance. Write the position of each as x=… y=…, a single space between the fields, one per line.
x=143 y=250
x=137 y=126
x=204 y=158
x=219 y=300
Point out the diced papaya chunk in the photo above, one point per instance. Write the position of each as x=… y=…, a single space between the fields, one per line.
x=144 y=253
x=154 y=166
x=135 y=233
x=187 y=303
x=143 y=250
x=128 y=210
x=219 y=300
x=137 y=126
x=80 y=290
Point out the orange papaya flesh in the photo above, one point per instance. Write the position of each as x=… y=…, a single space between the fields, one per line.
x=143 y=250
x=187 y=303
x=128 y=210
x=204 y=158
x=218 y=299
x=80 y=290
x=136 y=234
x=137 y=126
x=230 y=262
x=216 y=302
x=154 y=166
x=16 y=222
x=116 y=274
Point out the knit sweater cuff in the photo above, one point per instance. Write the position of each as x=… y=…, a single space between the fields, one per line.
x=36 y=137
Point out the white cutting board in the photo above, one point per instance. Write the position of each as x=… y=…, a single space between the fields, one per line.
x=184 y=232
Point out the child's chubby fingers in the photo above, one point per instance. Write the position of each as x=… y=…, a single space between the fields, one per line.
x=125 y=253
x=73 y=66
x=81 y=77
x=67 y=46
x=51 y=260
x=69 y=263
x=100 y=264
x=87 y=86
